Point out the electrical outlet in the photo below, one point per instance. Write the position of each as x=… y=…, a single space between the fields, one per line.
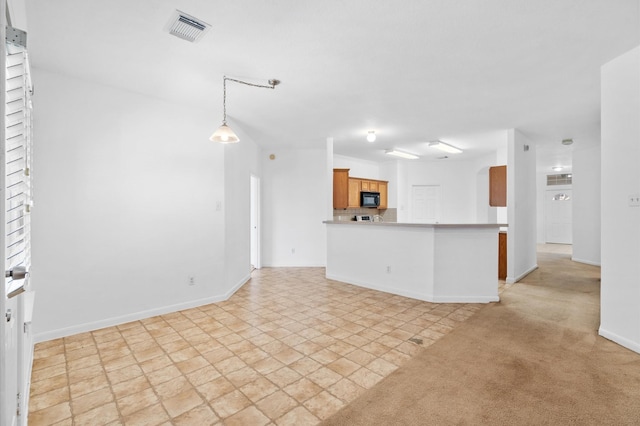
x=634 y=200
x=293 y=251
x=388 y=269
x=192 y=281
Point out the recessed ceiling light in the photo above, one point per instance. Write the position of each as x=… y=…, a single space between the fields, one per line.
x=401 y=154
x=371 y=136
x=557 y=168
x=445 y=147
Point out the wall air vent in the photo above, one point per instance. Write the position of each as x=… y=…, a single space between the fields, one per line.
x=187 y=27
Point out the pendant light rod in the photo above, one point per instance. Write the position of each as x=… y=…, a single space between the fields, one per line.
x=272 y=85
x=224 y=134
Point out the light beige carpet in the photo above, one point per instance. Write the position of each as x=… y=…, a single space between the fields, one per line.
x=535 y=358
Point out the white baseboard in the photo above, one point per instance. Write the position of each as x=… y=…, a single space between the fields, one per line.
x=136 y=316
x=465 y=299
x=511 y=280
x=278 y=265
x=586 y=262
x=622 y=341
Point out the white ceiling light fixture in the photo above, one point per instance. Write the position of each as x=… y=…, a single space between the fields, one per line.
x=401 y=154
x=556 y=168
x=224 y=134
x=371 y=136
x=187 y=27
x=445 y=147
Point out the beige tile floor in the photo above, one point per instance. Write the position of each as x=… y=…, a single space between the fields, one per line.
x=289 y=348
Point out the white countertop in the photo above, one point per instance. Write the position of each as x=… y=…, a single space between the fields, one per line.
x=417 y=225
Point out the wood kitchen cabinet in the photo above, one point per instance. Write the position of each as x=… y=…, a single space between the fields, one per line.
x=346 y=190
x=498 y=186
x=383 y=188
x=340 y=188
x=355 y=186
x=369 y=185
x=502 y=255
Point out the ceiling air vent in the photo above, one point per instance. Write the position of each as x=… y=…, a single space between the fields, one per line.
x=187 y=27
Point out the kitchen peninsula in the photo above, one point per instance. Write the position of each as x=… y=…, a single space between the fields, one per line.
x=444 y=263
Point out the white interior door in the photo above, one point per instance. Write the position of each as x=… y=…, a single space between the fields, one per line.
x=425 y=203
x=558 y=216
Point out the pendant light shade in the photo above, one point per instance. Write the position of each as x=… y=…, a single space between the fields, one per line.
x=224 y=134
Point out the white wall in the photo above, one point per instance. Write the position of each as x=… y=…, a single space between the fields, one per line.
x=541 y=190
x=586 y=205
x=357 y=168
x=521 y=206
x=457 y=180
x=484 y=212
x=241 y=161
x=390 y=171
x=620 y=292
x=294 y=195
x=126 y=188
x=403 y=194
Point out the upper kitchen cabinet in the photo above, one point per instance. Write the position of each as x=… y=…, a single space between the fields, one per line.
x=346 y=190
x=498 y=186
x=369 y=185
x=383 y=189
x=340 y=188
x=355 y=186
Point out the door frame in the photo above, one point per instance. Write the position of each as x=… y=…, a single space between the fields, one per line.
x=547 y=201
x=255 y=224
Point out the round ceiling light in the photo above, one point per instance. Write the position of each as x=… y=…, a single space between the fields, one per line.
x=371 y=136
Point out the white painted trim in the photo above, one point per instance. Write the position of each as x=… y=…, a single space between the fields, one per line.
x=271 y=265
x=586 y=262
x=622 y=341
x=136 y=316
x=465 y=299
x=424 y=297
x=510 y=280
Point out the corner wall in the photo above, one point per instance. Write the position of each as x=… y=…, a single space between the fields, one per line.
x=294 y=205
x=241 y=160
x=586 y=205
x=126 y=189
x=620 y=292
x=521 y=206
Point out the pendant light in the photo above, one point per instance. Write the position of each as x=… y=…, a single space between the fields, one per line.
x=224 y=134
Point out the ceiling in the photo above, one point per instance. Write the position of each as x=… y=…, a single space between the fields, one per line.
x=412 y=70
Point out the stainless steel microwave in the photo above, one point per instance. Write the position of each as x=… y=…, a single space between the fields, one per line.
x=369 y=199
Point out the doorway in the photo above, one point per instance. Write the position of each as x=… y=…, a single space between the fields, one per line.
x=558 y=222
x=255 y=223
x=425 y=203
